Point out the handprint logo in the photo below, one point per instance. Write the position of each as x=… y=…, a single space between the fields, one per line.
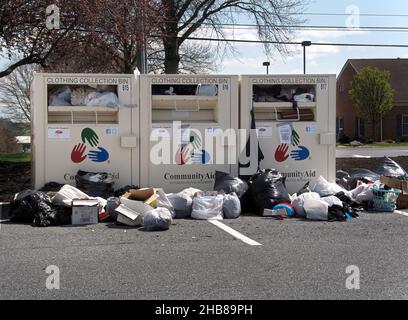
x=77 y=154
x=281 y=153
x=301 y=154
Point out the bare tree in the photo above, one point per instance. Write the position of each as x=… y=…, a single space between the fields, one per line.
x=183 y=18
x=15 y=94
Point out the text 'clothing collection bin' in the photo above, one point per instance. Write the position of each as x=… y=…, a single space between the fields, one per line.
x=85 y=122
x=200 y=105
x=295 y=121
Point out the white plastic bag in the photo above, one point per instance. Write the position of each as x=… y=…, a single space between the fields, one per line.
x=104 y=99
x=60 y=97
x=365 y=195
x=316 y=210
x=325 y=188
x=66 y=194
x=157 y=219
x=182 y=204
x=299 y=201
x=207 y=207
x=232 y=206
x=164 y=202
x=332 y=201
x=191 y=192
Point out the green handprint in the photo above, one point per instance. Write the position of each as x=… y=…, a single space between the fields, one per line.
x=295 y=138
x=90 y=136
x=195 y=140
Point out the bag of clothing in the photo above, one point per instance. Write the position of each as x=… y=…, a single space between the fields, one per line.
x=182 y=205
x=316 y=210
x=268 y=189
x=157 y=220
x=206 y=207
x=299 y=202
x=390 y=168
x=332 y=201
x=232 y=206
x=228 y=184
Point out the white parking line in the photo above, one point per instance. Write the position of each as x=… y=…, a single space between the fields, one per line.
x=235 y=233
x=401 y=213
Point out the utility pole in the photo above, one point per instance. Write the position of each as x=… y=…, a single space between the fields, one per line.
x=141 y=53
x=304 y=45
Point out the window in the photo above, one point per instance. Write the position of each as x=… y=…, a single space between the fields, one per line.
x=405 y=125
x=341 y=87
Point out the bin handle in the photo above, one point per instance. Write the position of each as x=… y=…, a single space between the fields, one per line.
x=287 y=120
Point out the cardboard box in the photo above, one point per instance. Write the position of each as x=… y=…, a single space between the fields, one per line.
x=130 y=217
x=395 y=183
x=85 y=212
x=402 y=201
x=147 y=196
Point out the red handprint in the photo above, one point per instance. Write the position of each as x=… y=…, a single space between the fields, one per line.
x=281 y=153
x=77 y=154
x=183 y=156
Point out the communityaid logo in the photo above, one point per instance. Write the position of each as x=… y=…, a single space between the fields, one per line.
x=78 y=153
x=299 y=154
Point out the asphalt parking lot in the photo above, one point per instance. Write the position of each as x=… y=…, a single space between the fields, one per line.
x=199 y=260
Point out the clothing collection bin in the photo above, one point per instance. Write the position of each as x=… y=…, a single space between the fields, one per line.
x=87 y=122
x=295 y=117
x=176 y=131
x=178 y=112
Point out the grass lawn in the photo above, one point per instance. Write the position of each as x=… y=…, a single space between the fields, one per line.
x=15 y=157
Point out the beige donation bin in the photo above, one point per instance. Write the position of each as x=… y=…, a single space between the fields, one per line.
x=295 y=118
x=178 y=112
x=87 y=122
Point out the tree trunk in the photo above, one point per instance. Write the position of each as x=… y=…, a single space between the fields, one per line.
x=171 y=55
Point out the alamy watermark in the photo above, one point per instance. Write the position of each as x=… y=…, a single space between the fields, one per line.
x=353 y=20
x=52 y=22
x=353 y=280
x=53 y=280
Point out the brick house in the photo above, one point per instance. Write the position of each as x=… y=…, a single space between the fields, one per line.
x=395 y=124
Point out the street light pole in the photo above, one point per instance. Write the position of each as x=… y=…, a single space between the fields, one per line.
x=266 y=64
x=304 y=45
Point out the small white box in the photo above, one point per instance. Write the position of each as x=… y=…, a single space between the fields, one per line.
x=85 y=212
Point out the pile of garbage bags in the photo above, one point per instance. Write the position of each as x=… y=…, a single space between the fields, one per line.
x=94 y=199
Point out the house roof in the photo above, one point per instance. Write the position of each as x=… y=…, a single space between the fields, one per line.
x=397 y=67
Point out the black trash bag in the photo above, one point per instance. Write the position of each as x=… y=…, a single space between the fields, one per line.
x=120 y=192
x=305 y=189
x=228 y=184
x=342 y=178
x=36 y=207
x=51 y=187
x=268 y=189
x=390 y=168
x=95 y=184
x=247 y=202
x=364 y=175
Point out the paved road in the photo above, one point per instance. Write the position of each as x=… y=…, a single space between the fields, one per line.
x=371 y=152
x=197 y=260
